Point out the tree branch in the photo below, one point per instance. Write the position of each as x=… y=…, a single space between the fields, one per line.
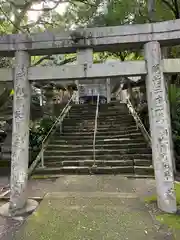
x=16 y=27
x=48 y=8
x=21 y=15
x=176 y=6
x=82 y=1
x=47 y=57
x=151 y=10
x=168 y=4
x=65 y=61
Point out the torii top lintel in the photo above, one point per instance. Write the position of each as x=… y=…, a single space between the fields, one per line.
x=100 y=39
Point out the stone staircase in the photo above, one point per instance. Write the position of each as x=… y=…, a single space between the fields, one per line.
x=120 y=146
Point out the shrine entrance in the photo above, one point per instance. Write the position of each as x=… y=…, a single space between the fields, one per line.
x=150 y=37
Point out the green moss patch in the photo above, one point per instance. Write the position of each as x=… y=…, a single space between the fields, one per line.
x=171 y=220
x=177 y=187
x=78 y=218
x=153 y=198
x=43 y=177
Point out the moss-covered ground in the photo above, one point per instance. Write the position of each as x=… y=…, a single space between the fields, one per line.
x=92 y=207
x=171 y=220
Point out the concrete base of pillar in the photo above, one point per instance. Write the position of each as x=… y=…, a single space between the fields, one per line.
x=30 y=207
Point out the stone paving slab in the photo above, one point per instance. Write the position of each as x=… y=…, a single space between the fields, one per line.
x=40 y=187
x=79 y=217
x=90 y=208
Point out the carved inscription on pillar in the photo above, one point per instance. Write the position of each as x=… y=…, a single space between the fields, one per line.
x=161 y=124
x=20 y=109
x=20 y=135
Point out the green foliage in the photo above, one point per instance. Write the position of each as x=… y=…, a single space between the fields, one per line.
x=174 y=97
x=38 y=131
x=81 y=13
x=122 y=12
x=14 y=19
x=4 y=96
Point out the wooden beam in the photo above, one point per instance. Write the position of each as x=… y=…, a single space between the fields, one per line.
x=99 y=39
x=91 y=71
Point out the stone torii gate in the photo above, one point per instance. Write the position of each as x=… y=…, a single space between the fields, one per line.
x=84 y=41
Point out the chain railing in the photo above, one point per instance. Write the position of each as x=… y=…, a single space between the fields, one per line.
x=57 y=123
x=138 y=121
x=95 y=131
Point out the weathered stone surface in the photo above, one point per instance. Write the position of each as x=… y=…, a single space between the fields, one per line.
x=69 y=73
x=30 y=206
x=100 y=39
x=20 y=135
x=160 y=125
x=93 y=207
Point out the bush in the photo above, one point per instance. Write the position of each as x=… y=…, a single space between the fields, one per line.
x=174 y=98
x=38 y=131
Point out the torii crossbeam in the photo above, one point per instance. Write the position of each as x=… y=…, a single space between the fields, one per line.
x=149 y=36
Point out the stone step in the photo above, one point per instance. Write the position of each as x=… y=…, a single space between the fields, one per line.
x=107 y=157
x=5 y=113
x=142 y=162
x=76 y=122
x=123 y=114
x=91 y=123
x=90 y=141
x=101 y=106
x=82 y=117
x=98 y=146
x=89 y=163
x=100 y=111
x=127 y=175
x=5 y=163
x=101 y=114
x=111 y=104
x=98 y=137
x=90 y=130
x=85 y=170
x=87 y=152
x=101 y=133
x=143 y=170
x=5 y=117
x=5 y=171
x=104 y=124
x=100 y=128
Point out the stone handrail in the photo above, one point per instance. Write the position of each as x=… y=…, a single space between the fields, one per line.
x=138 y=122
x=45 y=141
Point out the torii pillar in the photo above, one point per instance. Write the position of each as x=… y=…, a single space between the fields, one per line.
x=19 y=202
x=160 y=125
